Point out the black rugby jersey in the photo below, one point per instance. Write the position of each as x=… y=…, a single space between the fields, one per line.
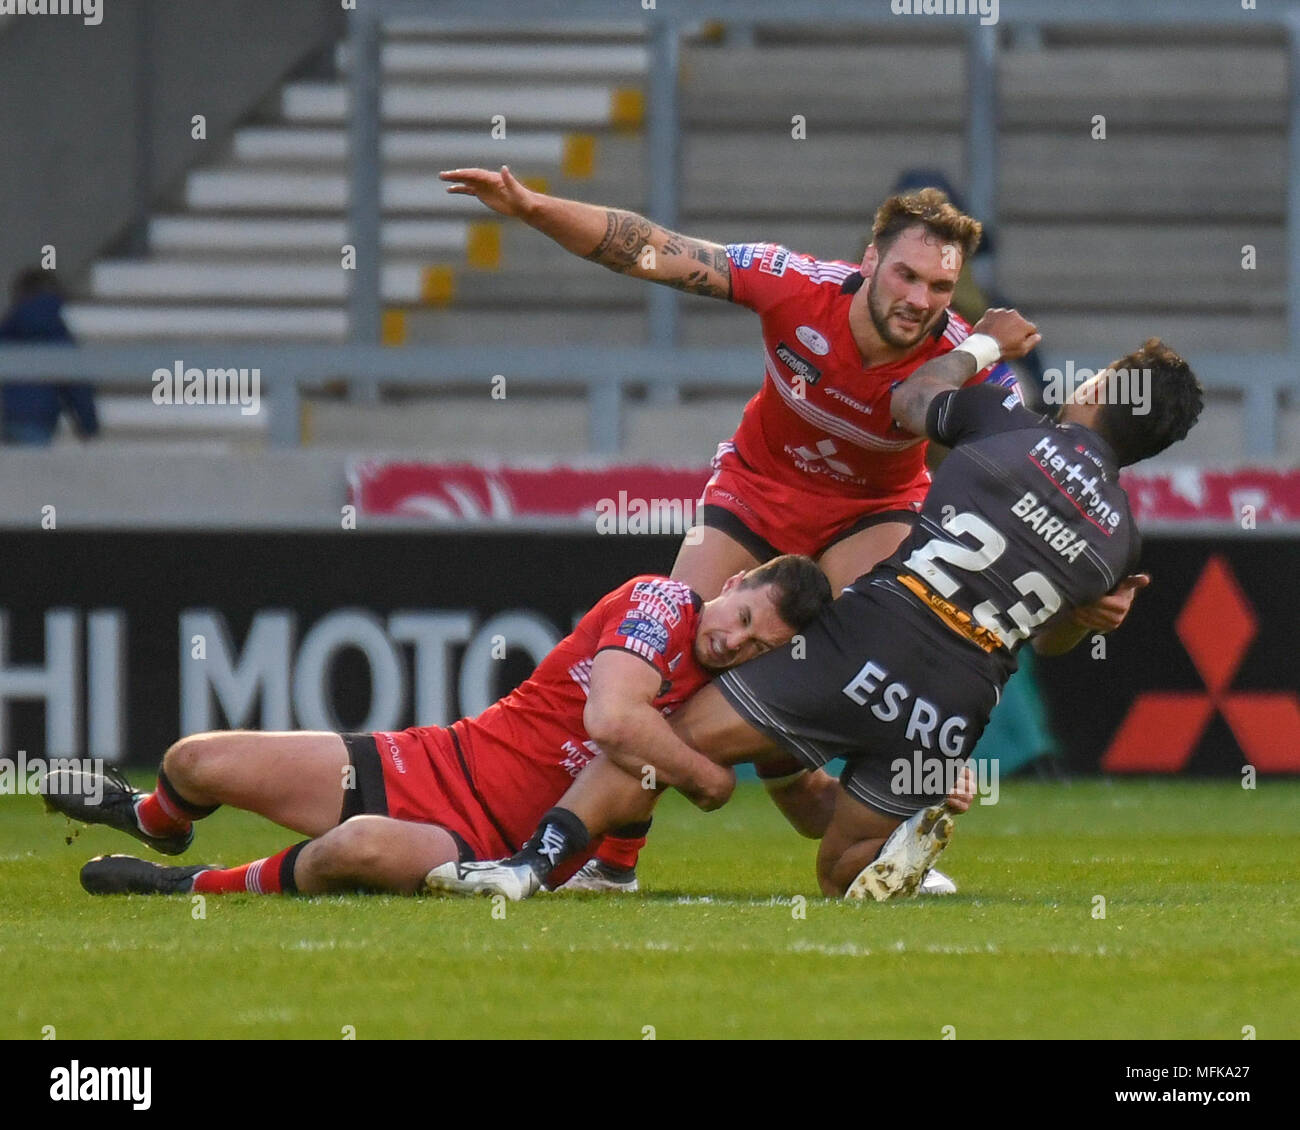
x=1024 y=518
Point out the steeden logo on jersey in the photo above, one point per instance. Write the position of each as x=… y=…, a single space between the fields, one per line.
x=845 y=398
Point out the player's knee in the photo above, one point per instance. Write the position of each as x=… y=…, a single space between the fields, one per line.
x=192 y=760
x=353 y=849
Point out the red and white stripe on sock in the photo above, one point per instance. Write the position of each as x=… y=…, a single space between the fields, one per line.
x=261 y=877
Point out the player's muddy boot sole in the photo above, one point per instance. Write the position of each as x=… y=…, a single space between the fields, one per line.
x=104 y=798
x=897 y=872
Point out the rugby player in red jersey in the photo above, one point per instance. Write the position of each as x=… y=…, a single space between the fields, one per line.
x=818 y=465
x=1026 y=538
x=386 y=808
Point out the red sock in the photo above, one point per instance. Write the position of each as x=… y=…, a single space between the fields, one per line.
x=261 y=877
x=620 y=851
x=158 y=816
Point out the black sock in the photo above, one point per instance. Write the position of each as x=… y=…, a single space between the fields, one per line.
x=560 y=834
x=187 y=808
x=631 y=831
x=288 y=884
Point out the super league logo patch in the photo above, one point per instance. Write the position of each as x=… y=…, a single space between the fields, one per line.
x=649 y=632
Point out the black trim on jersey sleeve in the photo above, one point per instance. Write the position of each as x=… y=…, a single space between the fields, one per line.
x=963 y=414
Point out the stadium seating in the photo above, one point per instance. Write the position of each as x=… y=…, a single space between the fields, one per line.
x=1102 y=240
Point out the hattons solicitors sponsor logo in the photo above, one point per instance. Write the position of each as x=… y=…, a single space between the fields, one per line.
x=179 y=385
x=1079 y=385
x=90 y=11
x=987 y=10
x=59 y=776
x=629 y=514
x=941 y=776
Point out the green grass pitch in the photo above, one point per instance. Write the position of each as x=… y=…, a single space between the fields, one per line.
x=1200 y=937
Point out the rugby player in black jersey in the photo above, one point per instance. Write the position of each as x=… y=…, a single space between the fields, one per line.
x=1026 y=536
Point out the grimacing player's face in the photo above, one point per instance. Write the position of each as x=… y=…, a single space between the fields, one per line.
x=910 y=286
x=737 y=625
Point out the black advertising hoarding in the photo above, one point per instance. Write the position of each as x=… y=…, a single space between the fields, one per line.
x=1205 y=676
x=113 y=644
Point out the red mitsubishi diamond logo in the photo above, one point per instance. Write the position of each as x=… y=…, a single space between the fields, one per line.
x=1161 y=729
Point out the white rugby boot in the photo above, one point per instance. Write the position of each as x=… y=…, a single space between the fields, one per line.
x=517 y=881
x=597 y=876
x=936 y=883
x=899 y=868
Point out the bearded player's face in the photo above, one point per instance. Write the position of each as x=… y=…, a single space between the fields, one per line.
x=911 y=286
x=737 y=625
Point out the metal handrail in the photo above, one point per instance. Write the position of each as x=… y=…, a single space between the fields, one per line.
x=664 y=366
x=605 y=371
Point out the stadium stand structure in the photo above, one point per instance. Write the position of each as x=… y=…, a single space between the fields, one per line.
x=1101 y=241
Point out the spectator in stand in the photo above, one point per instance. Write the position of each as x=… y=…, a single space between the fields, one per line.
x=31 y=411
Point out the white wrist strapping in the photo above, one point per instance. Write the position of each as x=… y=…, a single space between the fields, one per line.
x=983 y=348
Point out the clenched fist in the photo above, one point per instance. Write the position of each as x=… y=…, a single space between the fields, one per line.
x=1011 y=330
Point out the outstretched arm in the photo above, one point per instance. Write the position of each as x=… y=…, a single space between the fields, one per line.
x=1011 y=334
x=622 y=241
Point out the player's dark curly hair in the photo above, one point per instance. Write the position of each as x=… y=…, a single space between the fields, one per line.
x=931 y=207
x=802 y=589
x=1176 y=399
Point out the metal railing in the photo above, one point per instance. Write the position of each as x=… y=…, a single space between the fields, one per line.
x=665 y=367
x=606 y=372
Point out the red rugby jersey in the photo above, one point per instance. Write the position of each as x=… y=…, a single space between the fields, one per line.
x=525 y=750
x=839 y=438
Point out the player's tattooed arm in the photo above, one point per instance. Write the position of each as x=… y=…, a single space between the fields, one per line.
x=911 y=399
x=1014 y=336
x=612 y=237
x=633 y=245
x=620 y=240
x=626 y=235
